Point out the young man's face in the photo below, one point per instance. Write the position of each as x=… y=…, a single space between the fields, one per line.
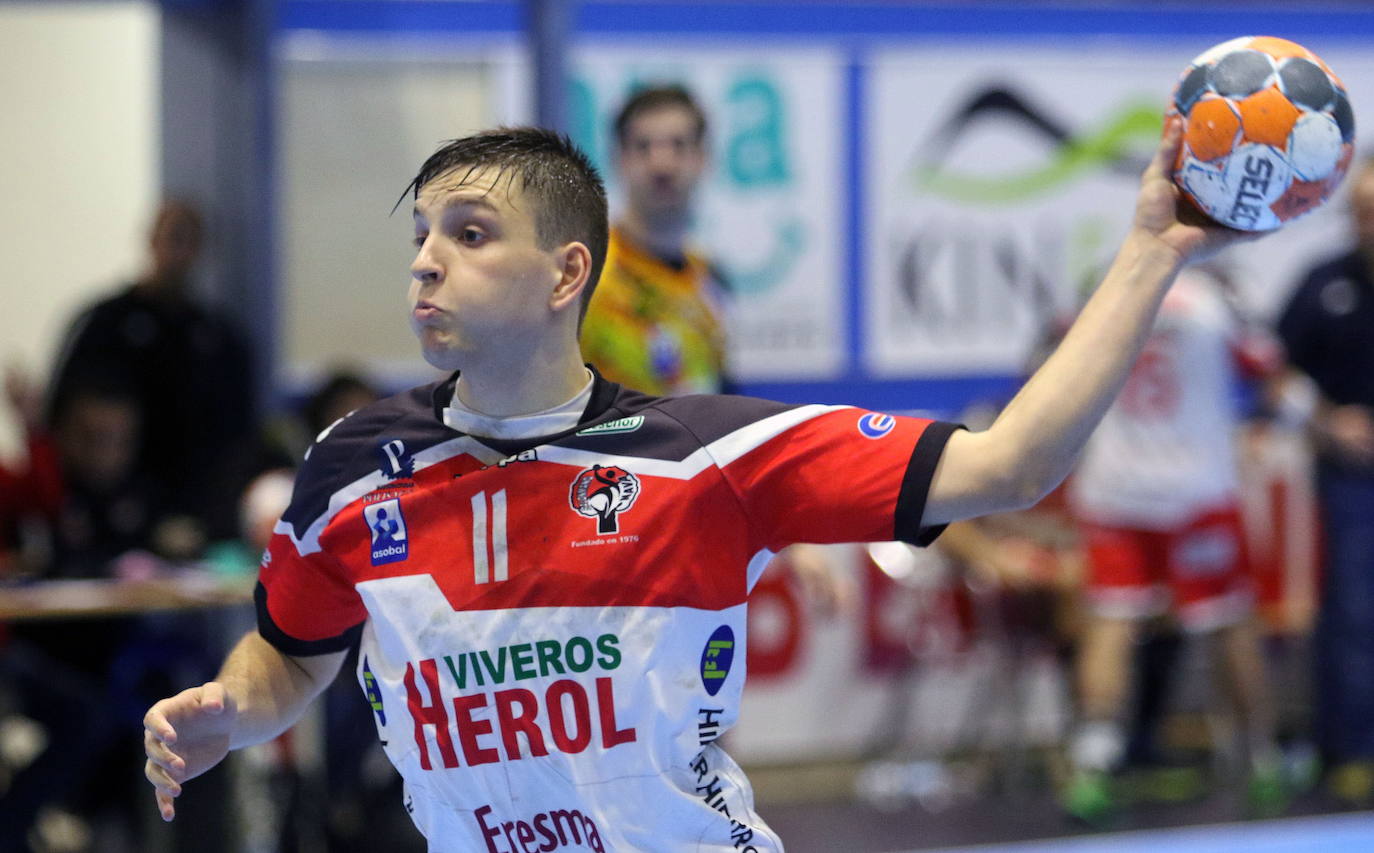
x=480 y=282
x=661 y=162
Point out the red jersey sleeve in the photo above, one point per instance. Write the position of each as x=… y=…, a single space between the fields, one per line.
x=306 y=600
x=842 y=475
x=306 y=604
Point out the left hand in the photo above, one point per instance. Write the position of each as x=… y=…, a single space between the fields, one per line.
x=1165 y=216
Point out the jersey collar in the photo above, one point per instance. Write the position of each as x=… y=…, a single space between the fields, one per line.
x=603 y=396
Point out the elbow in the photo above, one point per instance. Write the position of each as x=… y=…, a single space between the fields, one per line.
x=1026 y=492
x=1024 y=485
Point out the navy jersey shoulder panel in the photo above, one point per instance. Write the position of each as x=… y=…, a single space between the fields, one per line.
x=667 y=428
x=381 y=436
x=713 y=416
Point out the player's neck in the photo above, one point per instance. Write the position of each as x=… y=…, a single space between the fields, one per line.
x=666 y=238
x=534 y=382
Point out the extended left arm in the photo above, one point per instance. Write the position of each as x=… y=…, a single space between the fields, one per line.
x=1032 y=445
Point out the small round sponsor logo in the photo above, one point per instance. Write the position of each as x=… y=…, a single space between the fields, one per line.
x=716 y=659
x=874 y=425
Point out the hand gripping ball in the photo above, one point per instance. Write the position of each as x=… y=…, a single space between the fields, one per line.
x=1268 y=132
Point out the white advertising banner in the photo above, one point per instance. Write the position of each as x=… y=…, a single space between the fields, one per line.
x=771 y=213
x=1000 y=181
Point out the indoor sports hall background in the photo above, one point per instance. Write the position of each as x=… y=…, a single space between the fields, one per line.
x=905 y=196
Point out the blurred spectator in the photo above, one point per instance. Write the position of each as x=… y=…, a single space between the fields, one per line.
x=654 y=322
x=185 y=368
x=1157 y=492
x=1328 y=330
x=82 y=508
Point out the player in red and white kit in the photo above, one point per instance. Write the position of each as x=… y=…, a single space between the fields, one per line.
x=1157 y=494
x=547 y=574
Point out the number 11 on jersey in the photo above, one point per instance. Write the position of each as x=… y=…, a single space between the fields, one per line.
x=489 y=551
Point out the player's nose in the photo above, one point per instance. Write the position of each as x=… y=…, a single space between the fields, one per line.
x=426 y=269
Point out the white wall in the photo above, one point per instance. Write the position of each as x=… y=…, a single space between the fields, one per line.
x=78 y=165
x=355 y=121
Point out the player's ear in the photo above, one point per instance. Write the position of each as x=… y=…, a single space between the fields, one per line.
x=575 y=266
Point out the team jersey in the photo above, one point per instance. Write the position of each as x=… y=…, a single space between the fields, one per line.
x=552 y=631
x=1165 y=451
x=653 y=325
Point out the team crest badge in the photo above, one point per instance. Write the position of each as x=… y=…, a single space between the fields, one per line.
x=603 y=493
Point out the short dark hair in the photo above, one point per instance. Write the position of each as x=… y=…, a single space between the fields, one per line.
x=568 y=194
x=653 y=98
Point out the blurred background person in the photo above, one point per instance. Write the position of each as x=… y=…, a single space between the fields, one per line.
x=655 y=322
x=1327 y=329
x=186 y=369
x=87 y=511
x=1157 y=496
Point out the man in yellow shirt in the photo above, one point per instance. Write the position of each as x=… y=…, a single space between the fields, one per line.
x=655 y=321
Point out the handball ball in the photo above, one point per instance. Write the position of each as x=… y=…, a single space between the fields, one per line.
x=1268 y=132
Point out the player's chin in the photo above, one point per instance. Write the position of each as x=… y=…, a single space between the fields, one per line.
x=440 y=351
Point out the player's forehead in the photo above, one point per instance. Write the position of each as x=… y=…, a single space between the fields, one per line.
x=664 y=120
x=496 y=189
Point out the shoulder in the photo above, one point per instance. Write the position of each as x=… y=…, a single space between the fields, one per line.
x=713 y=416
x=380 y=438
x=407 y=415
x=110 y=305
x=675 y=428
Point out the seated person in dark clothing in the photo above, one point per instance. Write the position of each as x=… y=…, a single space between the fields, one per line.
x=109 y=508
x=98 y=516
x=185 y=366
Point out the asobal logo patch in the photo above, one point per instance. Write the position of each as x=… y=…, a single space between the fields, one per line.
x=387 y=525
x=630 y=424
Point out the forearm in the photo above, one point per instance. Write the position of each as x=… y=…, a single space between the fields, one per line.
x=1044 y=428
x=270 y=689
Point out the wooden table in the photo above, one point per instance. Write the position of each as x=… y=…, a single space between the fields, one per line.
x=68 y=599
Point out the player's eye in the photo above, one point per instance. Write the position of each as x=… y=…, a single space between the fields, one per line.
x=418 y=241
x=470 y=235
